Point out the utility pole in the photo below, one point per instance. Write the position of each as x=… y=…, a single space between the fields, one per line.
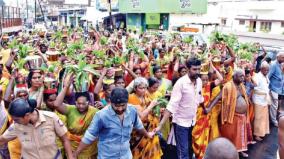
x=27 y=8
x=110 y=15
x=89 y=3
x=35 y=12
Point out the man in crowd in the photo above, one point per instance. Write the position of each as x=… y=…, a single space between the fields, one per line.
x=221 y=148
x=183 y=106
x=261 y=100
x=276 y=86
x=113 y=126
x=281 y=123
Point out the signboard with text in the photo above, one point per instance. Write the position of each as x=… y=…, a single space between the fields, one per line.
x=163 y=6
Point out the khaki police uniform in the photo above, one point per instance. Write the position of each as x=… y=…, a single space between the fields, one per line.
x=39 y=141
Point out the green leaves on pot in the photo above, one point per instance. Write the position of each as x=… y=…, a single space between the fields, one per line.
x=52 y=45
x=81 y=71
x=99 y=54
x=103 y=40
x=20 y=63
x=117 y=60
x=13 y=44
x=162 y=103
x=231 y=40
x=216 y=37
x=188 y=40
x=246 y=51
x=78 y=45
x=107 y=63
x=23 y=51
x=57 y=35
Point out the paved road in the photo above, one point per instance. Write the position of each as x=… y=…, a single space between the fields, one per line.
x=267 y=148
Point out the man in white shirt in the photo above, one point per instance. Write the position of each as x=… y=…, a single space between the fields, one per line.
x=186 y=97
x=261 y=100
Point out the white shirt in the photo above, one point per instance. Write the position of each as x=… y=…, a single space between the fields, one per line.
x=261 y=91
x=185 y=99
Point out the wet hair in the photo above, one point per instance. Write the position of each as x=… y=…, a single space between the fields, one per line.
x=152 y=81
x=193 y=62
x=119 y=95
x=116 y=78
x=47 y=95
x=30 y=76
x=82 y=94
x=20 y=107
x=106 y=86
x=136 y=68
x=181 y=68
x=156 y=69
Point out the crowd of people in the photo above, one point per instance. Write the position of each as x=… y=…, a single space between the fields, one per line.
x=126 y=95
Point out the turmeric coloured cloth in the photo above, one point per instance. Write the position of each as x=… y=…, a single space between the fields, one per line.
x=206 y=127
x=142 y=147
x=77 y=124
x=236 y=132
x=235 y=127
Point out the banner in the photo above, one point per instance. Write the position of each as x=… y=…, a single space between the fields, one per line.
x=163 y=6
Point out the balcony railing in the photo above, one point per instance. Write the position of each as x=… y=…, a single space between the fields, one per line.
x=10 y=22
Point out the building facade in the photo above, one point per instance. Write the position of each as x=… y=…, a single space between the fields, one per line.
x=260 y=17
x=158 y=14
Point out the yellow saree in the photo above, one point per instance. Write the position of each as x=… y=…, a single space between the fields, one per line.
x=77 y=124
x=145 y=148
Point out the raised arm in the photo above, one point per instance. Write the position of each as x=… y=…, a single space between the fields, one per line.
x=9 y=90
x=129 y=71
x=232 y=58
x=58 y=103
x=99 y=84
x=219 y=76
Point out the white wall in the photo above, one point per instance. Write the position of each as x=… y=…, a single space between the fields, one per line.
x=248 y=9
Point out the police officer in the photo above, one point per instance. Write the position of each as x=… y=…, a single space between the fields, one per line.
x=36 y=130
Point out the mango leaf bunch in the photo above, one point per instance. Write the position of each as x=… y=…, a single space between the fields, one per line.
x=246 y=51
x=162 y=103
x=188 y=40
x=81 y=71
x=103 y=40
x=217 y=37
x=13 y=44
x=132 y=44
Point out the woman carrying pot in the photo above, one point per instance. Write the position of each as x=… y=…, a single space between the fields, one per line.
x=78 y=118
x=35 y=84
x=36 y=130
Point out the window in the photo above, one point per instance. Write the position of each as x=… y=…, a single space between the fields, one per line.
x=265 y=26
x=242 y=22
x=282 y=24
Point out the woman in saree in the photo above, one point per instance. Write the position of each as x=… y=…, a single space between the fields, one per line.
x=78 y=118
x=143 y=147
x=35 y=84
x=206 y=127
x=4 y=124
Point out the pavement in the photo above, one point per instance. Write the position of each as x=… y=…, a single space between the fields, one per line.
x=267 y=148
